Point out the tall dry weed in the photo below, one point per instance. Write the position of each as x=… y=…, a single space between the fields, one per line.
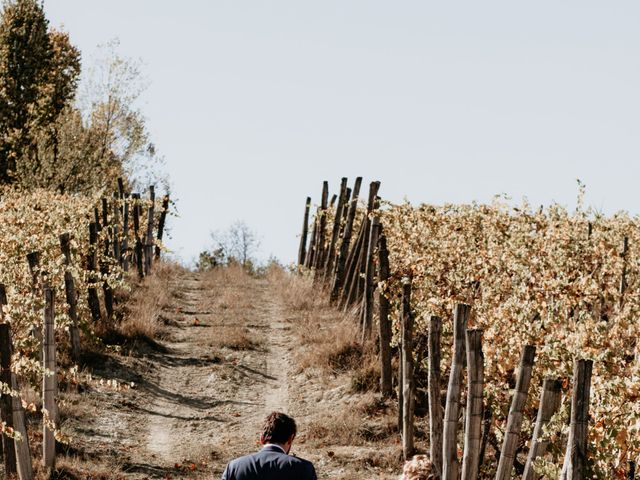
x=143 y=313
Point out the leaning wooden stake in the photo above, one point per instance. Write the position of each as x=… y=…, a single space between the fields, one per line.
x=549 y=404
x=473 y=425
x=623 y=276
x=33 y=260
x=331 y=252
x=104 y=264
x=115 y=227
x=149 y=243
x=407 y=372
x=351 y=266
x=345 y=242
x=450 y=466
x=6 y=405
x=435 y=404
x=49 y=384
x=383 y=320
x=124 y=250
x=311 y=251
x=514 y=422
x=322 y=223
x=92 y=292
x=358 y=286
x=136 y=231
x=302 y=250
x=355 y=278
x=331 y=275
x=72 y=299
x=367 y=310
x=575 y=460
x=21 y=446
x=161 y=223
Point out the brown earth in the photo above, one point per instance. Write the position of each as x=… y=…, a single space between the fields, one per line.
x=233 y=348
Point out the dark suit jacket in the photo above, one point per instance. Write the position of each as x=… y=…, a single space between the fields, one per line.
x=270 y=463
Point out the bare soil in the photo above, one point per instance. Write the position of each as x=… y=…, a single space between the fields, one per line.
x=231 y=351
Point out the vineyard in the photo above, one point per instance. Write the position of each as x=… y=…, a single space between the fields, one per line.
x=63 y=259
x=547 y=300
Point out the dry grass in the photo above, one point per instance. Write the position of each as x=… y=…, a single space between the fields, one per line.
x=298 y=291
x=366 y=421
x=235 y=338
x=328 y=333
x=229 y=287
x=143 y=314
x=357 y=418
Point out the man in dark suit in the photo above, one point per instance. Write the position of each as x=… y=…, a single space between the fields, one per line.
x=273 y=462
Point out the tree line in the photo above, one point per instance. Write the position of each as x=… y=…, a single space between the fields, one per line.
x=52 y=135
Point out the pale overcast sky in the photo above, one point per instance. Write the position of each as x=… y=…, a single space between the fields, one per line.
x=253 y=104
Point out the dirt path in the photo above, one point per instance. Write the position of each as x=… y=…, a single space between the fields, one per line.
x=198 y=396
x=225 y=360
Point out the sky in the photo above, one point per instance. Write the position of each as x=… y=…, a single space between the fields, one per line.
x=254 y=104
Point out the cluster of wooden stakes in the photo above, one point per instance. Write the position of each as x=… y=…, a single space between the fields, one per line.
x=114 y=223
x=351 y=268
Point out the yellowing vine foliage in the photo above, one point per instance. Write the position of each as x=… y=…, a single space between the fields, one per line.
x=547 y=277
x=32 y=221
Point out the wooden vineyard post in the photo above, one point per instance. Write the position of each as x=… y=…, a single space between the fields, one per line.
x=407 y=372
x=514 y=421
x=384 y=323
x=356 y=285
x=330 y=257
x=311 y=251
x=21 y=450
x=104 y=265
x=549 y=404
x=6 y=406
x=575 y=460
x=33 y=260
x=92 y=292
x=343 y=251
x=115 y=228
x=302 y=250
x=49 y=387
x=149 y=243
x=623 y=277
x=124 y=250
x=632 y=471
x=136 y=231
x=487 y=417
x=435 y=405
x=105 y=225
x=473 y=424
x=450 y=465
x=161 y=223
x=72 y=299
x=331 y=275
x=96 y=218
x=359 y=280
x=369 y=287
x=350 y=272
x=322 y=222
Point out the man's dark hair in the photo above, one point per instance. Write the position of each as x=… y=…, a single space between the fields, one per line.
x=278 y=428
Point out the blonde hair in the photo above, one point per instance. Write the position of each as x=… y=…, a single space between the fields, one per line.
x=418 y=468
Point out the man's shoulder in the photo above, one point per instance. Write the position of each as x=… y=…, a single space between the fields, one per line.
x=299 y=461
x=280 y=461
x=248 y=458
